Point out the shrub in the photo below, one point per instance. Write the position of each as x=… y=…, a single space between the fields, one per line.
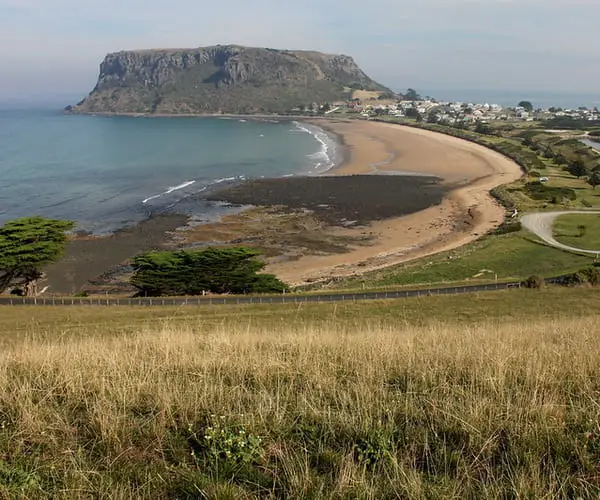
x=538 y=191
x=503 y=197
x=587 y=276
x=534 y=281
x=508 y=227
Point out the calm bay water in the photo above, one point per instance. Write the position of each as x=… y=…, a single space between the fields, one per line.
x=110 y=172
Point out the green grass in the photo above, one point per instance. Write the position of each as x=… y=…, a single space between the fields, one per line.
x=30 y=323
x=474 y=396
x=580 y=231
x=506 y=257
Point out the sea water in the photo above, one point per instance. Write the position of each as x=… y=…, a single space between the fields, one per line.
x=106 y=173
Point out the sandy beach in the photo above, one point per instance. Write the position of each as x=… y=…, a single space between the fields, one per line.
x=465 y=214
x=401 y=194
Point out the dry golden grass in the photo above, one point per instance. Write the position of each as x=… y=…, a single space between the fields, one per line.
x=315 y=410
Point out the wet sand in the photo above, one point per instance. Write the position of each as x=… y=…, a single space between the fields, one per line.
x=90 y=259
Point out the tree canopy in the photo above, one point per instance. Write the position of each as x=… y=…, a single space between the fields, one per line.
x=594 y=179
x=526 y=105
x=216 y=270
x=26 y=246
x=483 y=128
x=578 y=169
x=412 y=95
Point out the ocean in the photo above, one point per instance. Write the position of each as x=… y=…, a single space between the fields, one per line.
x=106 y=173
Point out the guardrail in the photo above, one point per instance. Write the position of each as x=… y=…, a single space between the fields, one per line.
x=256 y=299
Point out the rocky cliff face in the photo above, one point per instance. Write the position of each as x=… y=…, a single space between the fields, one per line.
x=228 y=79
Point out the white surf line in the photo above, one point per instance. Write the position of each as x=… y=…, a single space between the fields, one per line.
x=169 y=191
x=324 y=152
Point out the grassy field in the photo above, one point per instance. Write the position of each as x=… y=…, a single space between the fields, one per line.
x=481 y=396
x=580 y=231
x=511 y=256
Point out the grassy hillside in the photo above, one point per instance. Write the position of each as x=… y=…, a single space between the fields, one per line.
x=514 y=256
x=580 y=231
x=487 y=396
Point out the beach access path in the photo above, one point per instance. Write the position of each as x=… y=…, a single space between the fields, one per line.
x=390 y=149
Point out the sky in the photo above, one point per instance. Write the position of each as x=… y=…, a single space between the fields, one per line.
x=51 y=49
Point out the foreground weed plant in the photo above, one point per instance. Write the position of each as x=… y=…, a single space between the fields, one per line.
x=222 y=441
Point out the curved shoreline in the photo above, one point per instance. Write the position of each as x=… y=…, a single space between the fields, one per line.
x=338 y=250
x=466 y=214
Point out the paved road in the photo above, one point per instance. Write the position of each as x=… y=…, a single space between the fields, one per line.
x=278 y=299
x=541 y=225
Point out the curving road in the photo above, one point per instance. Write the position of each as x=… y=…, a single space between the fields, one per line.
x=541 y=225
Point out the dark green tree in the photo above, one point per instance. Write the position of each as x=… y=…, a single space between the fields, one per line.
x=578 y=169
x=526 y=105
x=483 y=128
x=560 y=159
x=412 y=95
x=216 y=270
x=594 y=179
x=28 y=245
x=432 y=117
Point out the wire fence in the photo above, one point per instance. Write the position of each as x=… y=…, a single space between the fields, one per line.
x=257 y=299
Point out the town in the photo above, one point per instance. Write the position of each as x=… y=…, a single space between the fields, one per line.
x=412 y=105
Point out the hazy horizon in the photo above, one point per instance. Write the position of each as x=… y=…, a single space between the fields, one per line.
x=53 y=49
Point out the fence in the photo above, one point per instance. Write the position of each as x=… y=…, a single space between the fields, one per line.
x=257 y=299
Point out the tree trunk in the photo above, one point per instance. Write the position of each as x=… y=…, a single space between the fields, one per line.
x=30 y=285
x=5 y=281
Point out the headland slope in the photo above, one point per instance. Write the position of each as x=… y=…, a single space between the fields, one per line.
x=222 y=79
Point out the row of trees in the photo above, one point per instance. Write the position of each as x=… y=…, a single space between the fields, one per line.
x=28 y=245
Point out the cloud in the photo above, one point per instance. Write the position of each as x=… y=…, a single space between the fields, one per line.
x=526 y=44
